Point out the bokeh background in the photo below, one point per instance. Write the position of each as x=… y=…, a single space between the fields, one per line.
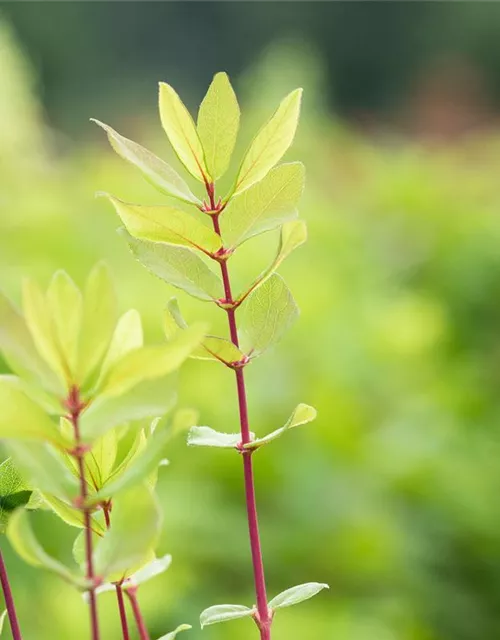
x=392 y=496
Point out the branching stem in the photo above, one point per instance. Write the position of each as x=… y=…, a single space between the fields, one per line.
x=9 y=601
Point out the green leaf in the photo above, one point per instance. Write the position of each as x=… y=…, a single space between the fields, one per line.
x=297 y=594
x=14 y=492
x=293 y=235
x=181 y=131
x=21 y=418
x=264 y=206
x=26 y=545
x=2 y=621
x=218 y=124
x=271 y=143
x=302 y=414
x=70 y=515
x=208 y=437
x=223 y=613
x=100 y=460
x=64 y=302
x=39 y=322
x=269 y=312
x=98 y=321
x=156 y=171
x=161 y=223
x=155 y=568
x=133 y=534
x=127 y=337
x=179 y=266
x=173 y=634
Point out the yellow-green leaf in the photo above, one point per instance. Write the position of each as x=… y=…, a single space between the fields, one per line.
x=302 y=414
x=71 y=516
x=65 y=306
x=218 y=124
x=173 y=634
x=271 y=143
x=166 y=224
x=128 y=336
x=181 y=131
x=264 y=206
x=14 y=491
x=156 y=171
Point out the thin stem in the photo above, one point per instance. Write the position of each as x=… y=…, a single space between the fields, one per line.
x=9 y=601
x=139 y=620
x=263 y=617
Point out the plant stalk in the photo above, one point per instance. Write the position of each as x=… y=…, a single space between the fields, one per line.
x=139 y=620
x=263 y=617
x=9 y=601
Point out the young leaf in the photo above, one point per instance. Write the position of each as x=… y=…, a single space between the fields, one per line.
x=21 y=418
x=156 y=171
x=127 y=337
x=271 y=143
x=71 y=516
x=179 y=266
x=293 y=234
x=218 y=124
x=173 y=634
x=296 y=594
x=23 y=540
x=161 y=223
x=64 y=302
x=269 y=312
x=223 y=613
x=155 y=568
x=302 y=414
x=14 y=492
x=98 y=321
x=181 y=131
x=100 y=460
x=133 y=533
x=264 y=206
x=207 y=437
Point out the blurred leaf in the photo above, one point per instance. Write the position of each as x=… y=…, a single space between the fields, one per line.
x=21 y=418
x=26 y=545
x=269 y=312
x=297 y=594
x=2 y=620
x=156 y=171
x=100 y=460
x=208 y=437
x=161 y=223
x=70 y=515
x=133 y=534
x=264 y=206
x=98 y=321
x=64 y=302
x=155 y=568
x=181 y=131
x=179 y=266
x=127 y=337
x=218 y=124
x=173 y=634
x=14 y=492
x=271 y=143
x=223 y=613
x=302 y=414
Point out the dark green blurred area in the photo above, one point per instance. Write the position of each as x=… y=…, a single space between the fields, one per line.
x=392 y=495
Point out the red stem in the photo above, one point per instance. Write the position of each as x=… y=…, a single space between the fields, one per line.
x=263 y=617
x=9 y=601
x=139 y=620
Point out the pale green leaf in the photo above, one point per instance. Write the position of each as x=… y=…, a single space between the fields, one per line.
x=23 y=540
x=271 y=143
x=64 y=302
x=297 y=594
x=155 y=568
x=133 y=534
x=293 y=235
x=127 y=337
x=156 y=171
x=100 y=460
x=2 y=621
x=223 y=613
x=268 y=313
x=14 y=492
x=98 y=322
x=173 y=634
x=161 y=223
x=71 y=516
x=302 y=414
x=208 y=437
x=21 y=418
x=179 y=266
x=218 y=124
x=264 y=206
x=181 y=131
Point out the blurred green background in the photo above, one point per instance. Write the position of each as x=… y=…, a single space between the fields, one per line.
x=392 y=495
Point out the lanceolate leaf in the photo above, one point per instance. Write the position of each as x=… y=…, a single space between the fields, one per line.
x=218 y=124
x=271 y=143
x=179 y=266
x=297 y=594
x=269 y=312
x=65 y=306
x=128 y=336
x=14 y=492
x=70 y=515
x=173 y=634
x=155 y=568
x=166 y=224
x=302 y=414
x=264 y=206
x=208 y=437
x=181 y=131
x=156 y=171
x=224 y=613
